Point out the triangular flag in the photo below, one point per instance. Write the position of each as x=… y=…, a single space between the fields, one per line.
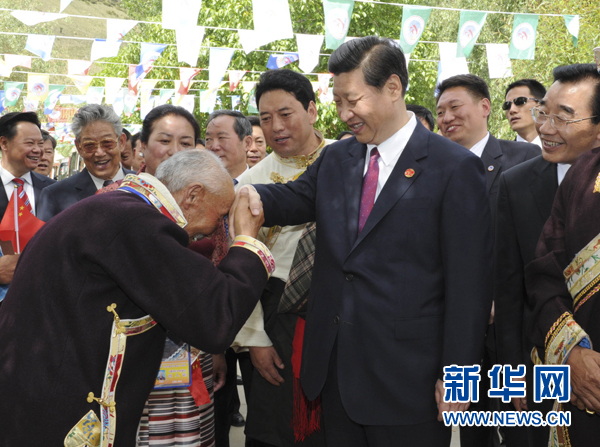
x=178 y=13
x=450 y=65
x=272 y=18
x=235 y=76
x=572 y=23
x=78 y=99
x=414 y=21
x=78 y=67
x=208 y=99
x=251 y=40
x=82 y=82
x=324 y=79
x=117 y=28
x=112 y=86
x=18 y=225
x=31 y=18
x=40 y=45
x=37 y=86
x=146 y=100
x=2 y=96
x=309 y=47
x=5 y=70
x=499 y=65
x=64 y=4
x=94 y=95
x=130 y=101
x=217 y=65
x=176 y=95
x=150 y=52
x=337 y=21
x=188 y=102
x=101 y=48
x=189 y=42
x=12 y=92
x=53 y=94
x=281 y=60
x=118 y=104
x=252 y=106
x=248 y=86
x=522 y=43
x=164 y=96
x=235 y=102
x=13 y=60
x=146 y=105
x=186 y=75
x=30 y=105
x=469 y=29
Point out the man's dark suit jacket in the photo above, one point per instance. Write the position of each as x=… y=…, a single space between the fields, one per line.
x=411 y=293
x=68 y=192
x=525 y=197
x=39 y=182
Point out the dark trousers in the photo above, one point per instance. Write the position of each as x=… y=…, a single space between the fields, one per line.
x=341 y=431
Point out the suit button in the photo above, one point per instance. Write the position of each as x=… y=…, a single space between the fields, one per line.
x=336 y=320
x=349 y=277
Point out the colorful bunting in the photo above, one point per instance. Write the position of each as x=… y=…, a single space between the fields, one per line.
x=572 y=23
x=118 y=104
x=37 y=86
x=186 y=75
x=414 y=21
x=188 y=102
x=112 y=86
x=189 y=42
x=235 y=76
x=12 y=92
x=129 y=102
x=337 y=21
x=150 y=52
x=164 y=96
x=2 y=96
x=102 y=48
x=235 y=102
x=78 y=67
x=208 y=98
x=309 y=47
x=40 y=45
x=469 y=29
x=281 y=60
x=522 y=43
x=82 y=82
x=30 y=105
x=54 y=93
x=218 y=63
x=94 y=95
x=499 y=65
x=13 y=60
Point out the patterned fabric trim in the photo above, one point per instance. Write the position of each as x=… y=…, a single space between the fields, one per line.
x=565 y=337
x=86 y=433
x=121 y=329
x=257 y=247
x=580 y=271
x=303 y=161
x=587 y=293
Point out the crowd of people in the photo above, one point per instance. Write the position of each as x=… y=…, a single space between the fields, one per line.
x=339 y=276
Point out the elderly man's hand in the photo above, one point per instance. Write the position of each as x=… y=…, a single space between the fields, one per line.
x=246 y=213
x=585 y=378
x=266 y=361
x=7 y=268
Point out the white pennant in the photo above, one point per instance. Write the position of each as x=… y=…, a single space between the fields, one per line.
x=78 y=67
x=177 y=13
x=272 y=18
x=102 y=48
x=309 y=47
x=189 y=41
x=64 y=4
x=31 y=18
x=188 y=102
x=450 y=65
x=218 y=63
x=117 y=28
x=499 y=64
x=112 y=86
x=251 y=40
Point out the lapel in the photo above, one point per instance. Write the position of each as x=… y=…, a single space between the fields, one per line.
x=84 y=185
x=491 y=158
x=352 y=171
x=543 y=185
x=37 y=180
x=3 y=200
x=395 y=187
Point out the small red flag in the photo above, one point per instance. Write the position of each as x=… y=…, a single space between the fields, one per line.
x=18 y=224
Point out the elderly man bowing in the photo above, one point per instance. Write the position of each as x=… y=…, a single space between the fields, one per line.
x=70 y=365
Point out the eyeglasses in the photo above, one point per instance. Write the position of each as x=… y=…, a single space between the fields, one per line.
x=556 y=121
x=106 y=145
x=520 y=101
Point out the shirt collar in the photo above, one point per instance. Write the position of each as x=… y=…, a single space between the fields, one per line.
x=303 y=161
x=478 y=147
x=390 y=148
x=7 y=177
x=100 y=182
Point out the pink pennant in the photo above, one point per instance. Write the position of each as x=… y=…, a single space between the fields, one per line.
x=186 y=75
x=235 y=76
x=324 y=79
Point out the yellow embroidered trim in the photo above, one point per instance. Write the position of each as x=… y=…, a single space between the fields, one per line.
x=257 y=247
x=277 y=178
x=584 y=282
x=86 y=432
x=597 y=184
x=580 y=258
x=302 y=161
x=555 y=325
x=567 y=336
x=578 y=302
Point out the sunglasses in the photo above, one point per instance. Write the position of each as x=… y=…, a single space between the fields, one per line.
x=520 y=101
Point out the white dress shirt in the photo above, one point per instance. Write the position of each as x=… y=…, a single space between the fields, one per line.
x=561 y=171
x=390 y=151
x=9 y=186
x=478 y=147
x=536 y=140
x=100 y=182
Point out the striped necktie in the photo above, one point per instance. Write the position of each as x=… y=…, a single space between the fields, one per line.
x=21 y=192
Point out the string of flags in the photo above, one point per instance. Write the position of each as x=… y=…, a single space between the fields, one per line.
x=272 y=22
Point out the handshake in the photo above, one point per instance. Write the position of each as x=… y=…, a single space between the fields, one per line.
x=246 y=214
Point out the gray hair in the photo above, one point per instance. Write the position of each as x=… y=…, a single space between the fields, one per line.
x=241 y=125
x=193 y=165
x=92 y=113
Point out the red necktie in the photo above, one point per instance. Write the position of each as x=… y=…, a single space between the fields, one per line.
x=367 y=198
x=21 y=192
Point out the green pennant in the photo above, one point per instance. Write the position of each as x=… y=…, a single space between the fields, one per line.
x=338 y=14
x=414 y=21
x=572 y=23
x=522 y=43
x=12 y=92
x=54 y=92
x=471 y=23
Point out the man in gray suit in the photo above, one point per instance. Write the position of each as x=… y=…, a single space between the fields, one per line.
x=99 y=138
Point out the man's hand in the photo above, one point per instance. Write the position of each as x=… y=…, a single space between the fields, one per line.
x=446 y=406
x=520 y=403
x=585 y=378
x=265 y=360
x=219 y=371
x=7 y=268
x=247 y=203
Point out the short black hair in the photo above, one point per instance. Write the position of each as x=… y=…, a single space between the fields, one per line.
x=241 y=125
x=343 y=133
x=475 y=85
x=379 y=58
x=288 y=81
x=162 y=111
x=46 y=136
x=127 y=134
x=8 y=123
x=572 y=74
x=422 y=113
x=254 y=120
x=536 y=88
x=134 y=139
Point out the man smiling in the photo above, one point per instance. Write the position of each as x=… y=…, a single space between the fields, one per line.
x=98 y=139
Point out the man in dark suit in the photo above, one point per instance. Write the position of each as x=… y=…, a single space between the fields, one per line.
x=463 y=109
x=99 y=138
x=22 y=146
x=520 y=97
x=402 y=274
x=525 y=198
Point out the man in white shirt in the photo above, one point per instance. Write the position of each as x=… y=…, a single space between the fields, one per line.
x=99 y=138
x=520 y=97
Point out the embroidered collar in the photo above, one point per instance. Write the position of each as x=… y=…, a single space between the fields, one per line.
x=155 y=193
x=303 y=161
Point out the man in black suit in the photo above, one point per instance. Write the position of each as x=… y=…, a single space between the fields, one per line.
x=463 y=109
x=520 y=97
x=99 y=138
x=525 y=198
x=401 y=280
x=22 y=146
